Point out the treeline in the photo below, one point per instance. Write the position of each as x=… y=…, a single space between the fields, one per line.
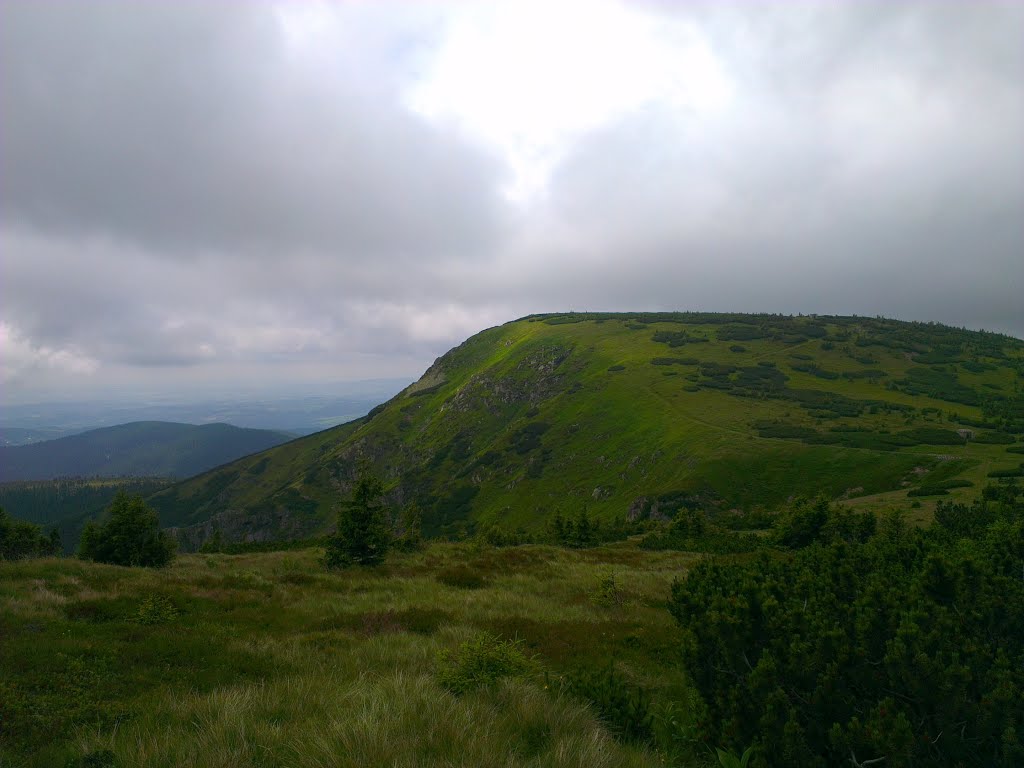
x=46 y=502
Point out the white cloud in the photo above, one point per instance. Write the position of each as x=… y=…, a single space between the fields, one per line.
x=22 y=359
x=529 y=78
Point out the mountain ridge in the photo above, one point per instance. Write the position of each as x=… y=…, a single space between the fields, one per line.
x=139 y=449
x=641 y=413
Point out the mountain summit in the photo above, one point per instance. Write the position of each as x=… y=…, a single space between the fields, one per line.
x=643 y=414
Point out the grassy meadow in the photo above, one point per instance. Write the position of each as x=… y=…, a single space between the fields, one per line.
x=269 y=660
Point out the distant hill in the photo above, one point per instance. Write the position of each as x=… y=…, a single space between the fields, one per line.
x=644 y=414
x=139 y=449
x=24 y=436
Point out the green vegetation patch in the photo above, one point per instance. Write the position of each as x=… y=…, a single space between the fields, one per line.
x=993 y=438
x=675 y=361
x=848 y=627
x=938 y=383
x=677 y=338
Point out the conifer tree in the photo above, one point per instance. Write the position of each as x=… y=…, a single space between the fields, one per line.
x=363 y=535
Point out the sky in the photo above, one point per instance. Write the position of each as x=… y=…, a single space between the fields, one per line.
x=232 y=195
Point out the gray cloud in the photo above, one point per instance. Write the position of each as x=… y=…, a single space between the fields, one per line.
x=194 y=127
x=185 y=195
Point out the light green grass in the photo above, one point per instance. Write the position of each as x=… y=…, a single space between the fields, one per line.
x=267 y=660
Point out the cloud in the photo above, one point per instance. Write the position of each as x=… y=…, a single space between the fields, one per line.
x=240 y=144
x=278 y=191
x=25 y=361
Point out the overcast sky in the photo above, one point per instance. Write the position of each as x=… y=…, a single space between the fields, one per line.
x=229 y=194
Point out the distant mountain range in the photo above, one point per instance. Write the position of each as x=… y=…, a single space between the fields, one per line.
x=138 y=449
x=309 y=408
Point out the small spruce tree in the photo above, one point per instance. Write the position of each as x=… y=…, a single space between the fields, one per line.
x=558 y=529
x=363 y=534
x=584 y=529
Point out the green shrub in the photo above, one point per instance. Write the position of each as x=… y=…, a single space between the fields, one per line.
x=675 y=361
x=482 y=661
x=625 y=709
x=994 y=438
x=806 y=522
x=129 y=535
x=608 y=593
x=933 y=436
x=676 y=338
x=927 y=490
x=690 y=531
x=20 y=540
x=784 y=431
x=155 y=609
x=1002 y=473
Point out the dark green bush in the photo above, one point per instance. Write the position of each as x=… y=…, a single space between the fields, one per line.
x=1003 y=473
x=625 y=709
x=932 y=436
x=784 y=431
x=20 y=540
x=691 y=531
x=677 y=338
x=994 y=438
x=129 y=534
x=675 y=361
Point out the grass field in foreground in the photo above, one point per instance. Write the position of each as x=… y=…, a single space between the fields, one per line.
x=268 y=660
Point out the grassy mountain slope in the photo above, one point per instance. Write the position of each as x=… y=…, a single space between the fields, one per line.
x=644 y=413
x=142 y=448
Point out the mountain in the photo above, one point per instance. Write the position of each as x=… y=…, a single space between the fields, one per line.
x=143 y=448
x=643 y=414
x=305 y=409
x=22 y=436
